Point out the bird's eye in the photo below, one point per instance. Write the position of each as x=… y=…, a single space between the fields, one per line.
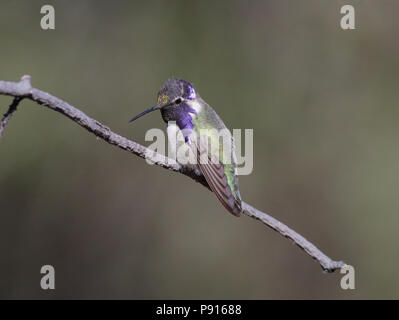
x=178 y=100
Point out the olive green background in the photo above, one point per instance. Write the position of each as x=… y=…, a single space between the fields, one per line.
x=323 y=106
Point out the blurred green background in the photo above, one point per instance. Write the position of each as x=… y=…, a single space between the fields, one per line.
x=323 y=105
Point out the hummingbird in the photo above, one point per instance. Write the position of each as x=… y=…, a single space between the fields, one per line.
x=184 y=110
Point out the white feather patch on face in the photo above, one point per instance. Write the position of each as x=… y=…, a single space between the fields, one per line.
x=192 y=93
x=195 y=105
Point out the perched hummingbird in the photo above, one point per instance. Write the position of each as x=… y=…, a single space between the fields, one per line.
x=179 y=103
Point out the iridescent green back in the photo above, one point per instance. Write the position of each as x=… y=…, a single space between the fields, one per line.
x=207 y=118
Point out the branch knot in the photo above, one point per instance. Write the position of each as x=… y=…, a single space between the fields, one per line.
x=24 y=86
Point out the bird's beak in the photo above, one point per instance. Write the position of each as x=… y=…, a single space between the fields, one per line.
x=145 y=112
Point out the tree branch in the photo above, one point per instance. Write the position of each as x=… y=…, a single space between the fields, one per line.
x=23 y=89
x=7 y=116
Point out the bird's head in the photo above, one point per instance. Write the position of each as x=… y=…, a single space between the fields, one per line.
x=172 y=99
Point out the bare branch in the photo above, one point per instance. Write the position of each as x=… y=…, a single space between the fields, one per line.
x=326 y=263
x=23 y=89
x=23 y=84
x=7 y=116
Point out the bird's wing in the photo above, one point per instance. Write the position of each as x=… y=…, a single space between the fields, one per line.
x=214 y=173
